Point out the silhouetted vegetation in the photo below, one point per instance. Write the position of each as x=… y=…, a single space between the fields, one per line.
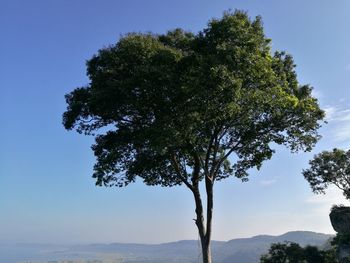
x=290 y=252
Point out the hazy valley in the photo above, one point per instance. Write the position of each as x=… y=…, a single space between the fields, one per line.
x=243 y=250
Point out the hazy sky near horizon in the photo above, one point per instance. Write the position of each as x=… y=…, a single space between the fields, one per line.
x=46 y=190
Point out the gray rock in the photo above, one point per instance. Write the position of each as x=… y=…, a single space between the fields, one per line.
x=344 y=253
x=340 y=219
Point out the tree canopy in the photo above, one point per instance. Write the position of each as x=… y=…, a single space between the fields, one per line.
x=329 y=168
x=180 y=101
x=291 y=252
x=172 y=108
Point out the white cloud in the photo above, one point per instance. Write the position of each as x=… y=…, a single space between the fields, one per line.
x=332 y=197
x=268 y=182
x=317 y=94
x=320 y=206
x=342 y=115
x=343 y=133
x=330 y=112
x=339 y=121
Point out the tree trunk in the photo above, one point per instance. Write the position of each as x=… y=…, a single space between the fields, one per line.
x=206 y=252
x=209 y=190
x=204 y=230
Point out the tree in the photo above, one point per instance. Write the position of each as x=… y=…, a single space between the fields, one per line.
x=329 y=168
x=291 y=252
x=176 y=106
x=282 y=253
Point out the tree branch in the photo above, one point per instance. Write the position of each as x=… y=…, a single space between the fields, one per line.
x=207 y=156
x=176 y=166
x=216 y=167
x=196 y=168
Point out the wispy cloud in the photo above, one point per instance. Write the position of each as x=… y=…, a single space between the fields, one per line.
x=317 y=94
x=330 y=112
x=339 y=120
x=318 y=206
x=333 y=196
x=268 y=182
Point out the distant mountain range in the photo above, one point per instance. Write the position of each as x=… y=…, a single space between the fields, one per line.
x=242 y=250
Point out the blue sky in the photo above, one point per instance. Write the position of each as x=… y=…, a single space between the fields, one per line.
x=46 y=190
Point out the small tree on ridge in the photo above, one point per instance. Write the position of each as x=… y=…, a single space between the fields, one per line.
x=329 y=168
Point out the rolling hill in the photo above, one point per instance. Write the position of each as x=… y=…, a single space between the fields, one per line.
x=242 y=250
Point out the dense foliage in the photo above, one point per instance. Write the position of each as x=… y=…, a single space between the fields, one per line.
x=180 y=102
x=294 y=253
